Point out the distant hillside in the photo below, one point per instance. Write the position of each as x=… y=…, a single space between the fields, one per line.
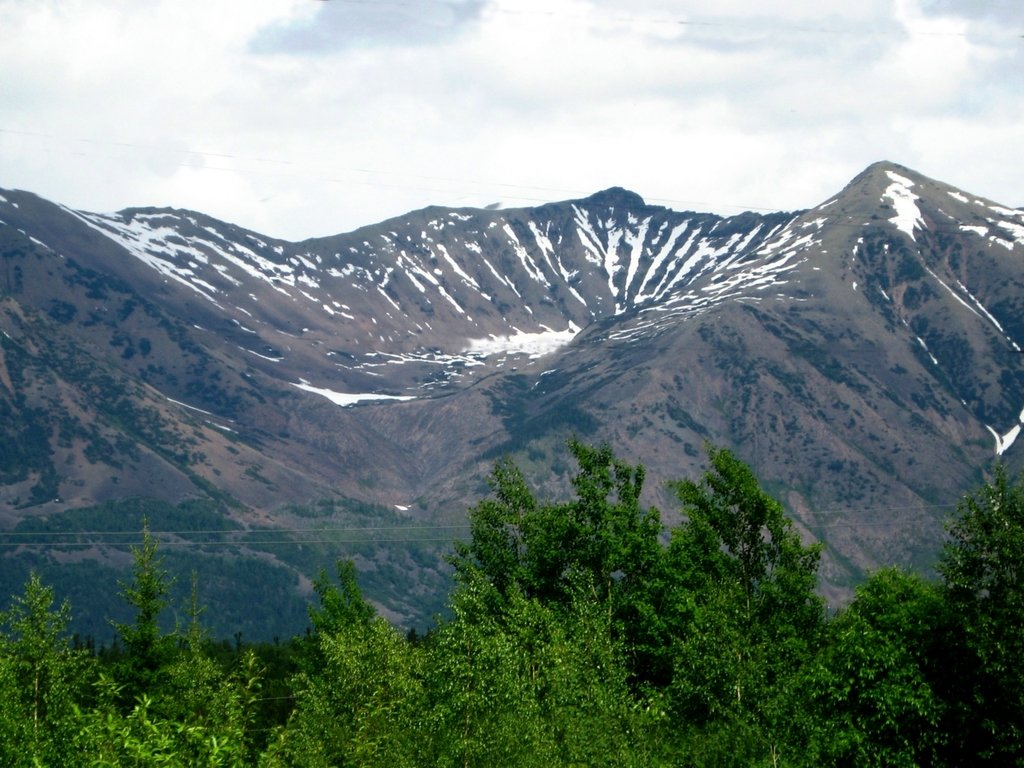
x=862 y=356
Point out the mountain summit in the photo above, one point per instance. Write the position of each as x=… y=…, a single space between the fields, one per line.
x=861 y=355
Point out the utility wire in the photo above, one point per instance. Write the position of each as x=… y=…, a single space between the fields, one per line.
x=523 y=192
x=280 y=537
x=519 y=192
x=428 y=527
x=239 y=531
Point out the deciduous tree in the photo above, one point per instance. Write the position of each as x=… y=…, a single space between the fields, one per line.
x=983 y=571
x=871 y=692
x=42 y=680
x=741 y=583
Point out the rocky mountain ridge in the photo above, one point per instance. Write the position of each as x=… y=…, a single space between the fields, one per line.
x=862 y=355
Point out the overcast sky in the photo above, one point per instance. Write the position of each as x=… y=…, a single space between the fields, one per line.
x=300 y=118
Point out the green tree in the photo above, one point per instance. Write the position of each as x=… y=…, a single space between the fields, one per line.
x=499 y=526
x=581 y=678
x=340 y=606
x=532 y=683
x=745 y=617
x=602 y=537
x=983 y=574
x=210 y=700
x=360 y=707
x=141 y=736
x=146 y=649
x=42 y=680
x=870 y=694
x=538 y=549
x=358 y=696
x=477 y=682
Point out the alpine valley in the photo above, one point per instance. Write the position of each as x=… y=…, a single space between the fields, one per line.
x=271 y=407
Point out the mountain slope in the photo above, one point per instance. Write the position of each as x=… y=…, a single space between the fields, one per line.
x=862 y=355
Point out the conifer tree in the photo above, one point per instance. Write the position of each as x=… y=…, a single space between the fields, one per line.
x=146 y=649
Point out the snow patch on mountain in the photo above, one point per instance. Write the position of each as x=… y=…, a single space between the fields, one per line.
x=908 y=215
x=1003 y=442
x=532 y=344
x=978 y=230
x=928 y=351
x=346 y=399
x=147 y=244
x=1015 y=229
x=531 y=267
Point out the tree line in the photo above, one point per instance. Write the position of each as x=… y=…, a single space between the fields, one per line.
x=579 y=632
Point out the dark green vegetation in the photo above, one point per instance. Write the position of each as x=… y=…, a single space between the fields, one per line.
x=578 y=634
x=253 y=575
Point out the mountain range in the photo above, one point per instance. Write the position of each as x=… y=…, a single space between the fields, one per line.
x=348 y=395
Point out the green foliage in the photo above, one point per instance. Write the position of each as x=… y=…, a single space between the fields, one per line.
x=874 y=681
x=340 y=606
x=144 y=737
x=737 y=535
x=576 y=636
x=984 y=587
x=539 y=549
x=721 y=620
x=532 y=684
x=479 y=689
x=146 y=649
x=498 y=527
x=745 y=617
x=41 y=678
x=357 y=697
x=360 y=705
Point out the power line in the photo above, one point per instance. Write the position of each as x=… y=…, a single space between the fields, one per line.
x=241 y=543
x=239 y=531
x=425 y=527
x=840 y=511
x=242 y=538
x=250 y=540
x=523 y=192
x=858 y=525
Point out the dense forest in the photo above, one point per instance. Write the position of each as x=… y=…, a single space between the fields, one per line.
x=579 y=632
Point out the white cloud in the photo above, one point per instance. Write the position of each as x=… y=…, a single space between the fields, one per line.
x=299 y=118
